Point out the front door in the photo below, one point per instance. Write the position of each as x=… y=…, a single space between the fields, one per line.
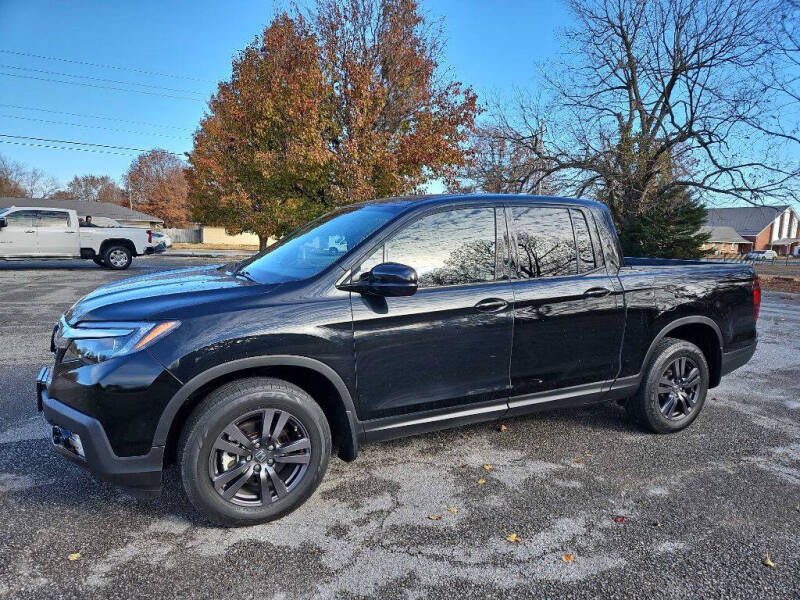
x=56 y=235
x=448 y=346
x=568 y=322
x=18 y=237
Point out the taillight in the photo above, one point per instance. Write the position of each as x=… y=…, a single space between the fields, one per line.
x=149 y=236
x=756 y=297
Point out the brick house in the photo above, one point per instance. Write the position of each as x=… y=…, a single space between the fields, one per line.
x=766 y=227
x=725 y=240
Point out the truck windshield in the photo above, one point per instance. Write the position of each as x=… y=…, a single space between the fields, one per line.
x=3 y=211
x=313 y=247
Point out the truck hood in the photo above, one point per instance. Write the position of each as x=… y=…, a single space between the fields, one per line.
x=163 y=293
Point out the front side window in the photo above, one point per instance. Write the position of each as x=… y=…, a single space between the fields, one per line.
x=310 y=249
x=21 y=218
x=545 y=242
x=53 y=219
x=452 y=247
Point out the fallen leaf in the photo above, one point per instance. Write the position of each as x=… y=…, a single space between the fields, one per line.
x=463 y=466
x=568 y=558
x=452 y=510
x=768 y=561
x=488 y=467
x=503 y=428
x=588 y=454
x=465 y=436
x=577 y=460
x=619 y=519
x=74 y=556
x=435 y=517
x=481 y=481
x=656 y=523
x=513 y=538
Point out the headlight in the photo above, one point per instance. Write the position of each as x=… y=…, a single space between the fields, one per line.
x=96 y=342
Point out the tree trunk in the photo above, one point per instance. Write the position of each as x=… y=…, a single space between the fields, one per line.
x=263 y=242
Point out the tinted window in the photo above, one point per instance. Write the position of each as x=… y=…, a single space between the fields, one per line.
x=308 y=250
x=21 y=218
x=583 y=240
x=545 y=243
x=51 y=219
x=453 y=247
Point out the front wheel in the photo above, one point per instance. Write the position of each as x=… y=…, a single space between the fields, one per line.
x=674 y=387
x=253 y=451
x=117 y=257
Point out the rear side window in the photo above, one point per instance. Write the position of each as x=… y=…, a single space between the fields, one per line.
x=586 y=261
x=21 y=218
x=452 y=247
x=545 y=242
x=52 y=219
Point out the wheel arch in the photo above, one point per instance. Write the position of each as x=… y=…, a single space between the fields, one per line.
x=118 y=242
x=319 y=380
x=701 y=331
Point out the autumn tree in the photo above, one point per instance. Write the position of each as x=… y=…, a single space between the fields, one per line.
x=399 y=121
x=155 y=184
x=261 y=160
x=93 y=188
x=654 y=97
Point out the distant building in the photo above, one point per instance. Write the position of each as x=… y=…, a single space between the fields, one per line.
x=765 y=227
x=99 y=211
x=725 y=240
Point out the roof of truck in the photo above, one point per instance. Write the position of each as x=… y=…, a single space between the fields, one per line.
x=435 y=199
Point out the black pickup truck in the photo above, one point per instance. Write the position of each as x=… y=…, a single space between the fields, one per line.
x=378 y=320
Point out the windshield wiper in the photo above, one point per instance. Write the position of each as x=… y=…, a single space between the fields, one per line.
x=245 y=274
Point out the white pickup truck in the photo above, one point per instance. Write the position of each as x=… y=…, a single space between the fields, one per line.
x=33 y=232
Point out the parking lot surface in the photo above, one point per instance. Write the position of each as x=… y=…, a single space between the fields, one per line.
x=599 y=507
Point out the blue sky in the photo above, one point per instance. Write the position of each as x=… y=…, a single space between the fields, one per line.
x=492 y=46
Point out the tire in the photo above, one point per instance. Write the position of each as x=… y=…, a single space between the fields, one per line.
x=254 y=464
x=98 y=261
x=663 y=404
x=117 y=257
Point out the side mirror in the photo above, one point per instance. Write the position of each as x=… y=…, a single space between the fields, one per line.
x=386 y=279
x=3 y=222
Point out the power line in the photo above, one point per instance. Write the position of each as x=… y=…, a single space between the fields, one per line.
x=58 y=73
x=105 y=87
x=173 y=137
x=104 y=66
x=71 y=114
x=37 y=139
x=66 y=148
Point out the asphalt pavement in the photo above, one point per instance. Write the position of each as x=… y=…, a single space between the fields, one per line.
x=599 y=507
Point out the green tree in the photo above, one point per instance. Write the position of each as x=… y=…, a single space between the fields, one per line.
x=668 y=229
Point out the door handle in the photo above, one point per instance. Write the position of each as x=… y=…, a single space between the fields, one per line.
x=69 y=232
x=30 y=231
x=491 y=305
x=596 y=292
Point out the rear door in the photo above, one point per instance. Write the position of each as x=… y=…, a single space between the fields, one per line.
x=18 y=237
x=447 y=347
x=56 y=235
x=568 y=324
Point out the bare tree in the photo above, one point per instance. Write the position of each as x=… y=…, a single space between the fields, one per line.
x=94 y=188
x=656 y=95
x=16 y=180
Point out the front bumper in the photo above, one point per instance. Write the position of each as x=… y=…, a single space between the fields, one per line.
x=140 y=473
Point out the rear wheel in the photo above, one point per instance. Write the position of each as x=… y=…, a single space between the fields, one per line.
x=117 y=257
x=253 y=451
x=674 y=389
